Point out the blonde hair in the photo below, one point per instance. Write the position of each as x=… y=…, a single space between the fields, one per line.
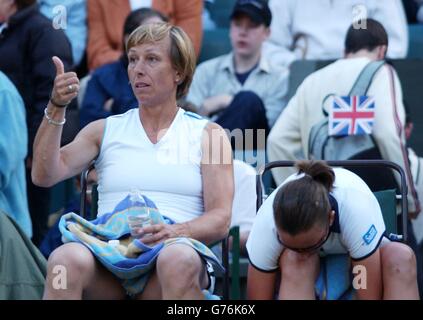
x=182 y=52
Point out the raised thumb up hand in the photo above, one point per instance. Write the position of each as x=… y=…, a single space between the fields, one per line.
x=66 y=85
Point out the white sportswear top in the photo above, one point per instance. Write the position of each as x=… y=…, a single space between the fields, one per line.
x=168 y=172
x=358 y=227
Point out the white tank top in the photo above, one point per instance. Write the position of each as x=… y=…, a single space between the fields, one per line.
x=168 y=172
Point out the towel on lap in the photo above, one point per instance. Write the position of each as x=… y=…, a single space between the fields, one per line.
x=129 y=260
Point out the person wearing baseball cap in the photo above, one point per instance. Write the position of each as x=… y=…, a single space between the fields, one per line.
x=257 y=10
x=241 y=90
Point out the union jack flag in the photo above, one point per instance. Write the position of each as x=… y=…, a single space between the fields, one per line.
x=351 y=115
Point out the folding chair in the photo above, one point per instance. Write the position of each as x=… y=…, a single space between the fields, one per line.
x=93 y=214
x=387 y=198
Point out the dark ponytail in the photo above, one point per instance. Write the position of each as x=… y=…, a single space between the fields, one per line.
x=319 y=171
x=303 y=202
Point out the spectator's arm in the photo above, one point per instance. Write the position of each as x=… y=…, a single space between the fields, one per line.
x=99 y=49
x=391 y=14
x=213 y=104
x=188 y=15
x=284 y=141
x=13 y=135
x=389 y=124
x=277 y=47
x=275 y=100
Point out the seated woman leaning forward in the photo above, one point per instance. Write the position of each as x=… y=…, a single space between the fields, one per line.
x=172 y=156
x=323 y=211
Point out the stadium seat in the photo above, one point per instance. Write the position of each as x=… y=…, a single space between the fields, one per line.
x=215 y=43
x=220 y=11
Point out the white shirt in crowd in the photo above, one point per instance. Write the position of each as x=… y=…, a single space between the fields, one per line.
x=217 y=76
x=324 y=25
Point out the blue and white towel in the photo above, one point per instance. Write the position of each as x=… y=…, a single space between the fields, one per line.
x=129 y=260
x=334 y=281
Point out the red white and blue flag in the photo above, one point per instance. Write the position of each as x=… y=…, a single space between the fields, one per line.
x=351 y=115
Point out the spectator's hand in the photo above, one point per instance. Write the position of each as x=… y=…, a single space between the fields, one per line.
x=216 y=103
x=108 y=104
x=157 y=233
x=66 y=85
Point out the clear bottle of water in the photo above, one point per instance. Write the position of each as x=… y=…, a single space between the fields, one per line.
x=138 y=213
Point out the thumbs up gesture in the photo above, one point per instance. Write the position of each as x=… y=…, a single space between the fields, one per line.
x=66 y=85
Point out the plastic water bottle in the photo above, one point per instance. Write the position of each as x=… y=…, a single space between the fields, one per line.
x=138 y=214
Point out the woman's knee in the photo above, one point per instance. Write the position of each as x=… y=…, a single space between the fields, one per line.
x=179 y=264
x=300 y=267
x=398 y=260
x=72 y=258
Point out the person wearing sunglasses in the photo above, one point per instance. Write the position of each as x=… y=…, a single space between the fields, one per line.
x=320 y=211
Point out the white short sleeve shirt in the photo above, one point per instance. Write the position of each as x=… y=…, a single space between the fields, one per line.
x=357 y=230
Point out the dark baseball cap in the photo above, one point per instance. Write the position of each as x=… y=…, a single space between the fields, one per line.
x=257 y=10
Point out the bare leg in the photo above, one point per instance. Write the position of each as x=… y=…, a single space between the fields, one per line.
x=299 y=273
x=180 y=274
x=399 y=272
x=74 y=273
x=152 y=290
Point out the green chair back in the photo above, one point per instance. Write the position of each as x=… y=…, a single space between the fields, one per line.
x=388 y=204
x=215 y=43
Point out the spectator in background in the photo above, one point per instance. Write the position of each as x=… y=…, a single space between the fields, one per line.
x=413 y=10
x=305 y=29
x=13 y=150
x=73 y=21
x=289 y=138
x=415 y=226
x=108 y=91
x=242 y=90
x=106 y=19
x=27 y=43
